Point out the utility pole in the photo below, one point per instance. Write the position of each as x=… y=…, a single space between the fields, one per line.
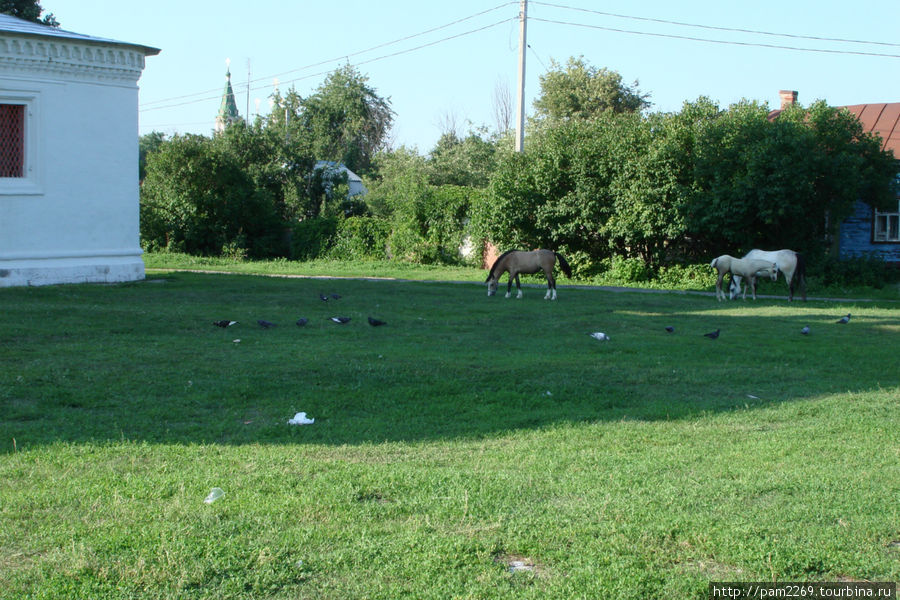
x=520 y=112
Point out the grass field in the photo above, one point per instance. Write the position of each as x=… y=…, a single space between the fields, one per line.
x=468 y=435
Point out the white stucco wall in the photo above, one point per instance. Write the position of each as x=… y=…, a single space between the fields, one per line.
x=75 y=218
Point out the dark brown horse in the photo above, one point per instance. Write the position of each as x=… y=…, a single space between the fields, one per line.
x=515 y=262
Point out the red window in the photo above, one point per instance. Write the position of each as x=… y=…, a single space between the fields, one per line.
x=12 y=140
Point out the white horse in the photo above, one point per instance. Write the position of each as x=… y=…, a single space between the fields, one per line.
x=751 y=268
x=791 y=263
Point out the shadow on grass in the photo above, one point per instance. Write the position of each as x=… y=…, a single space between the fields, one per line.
x=143 y=361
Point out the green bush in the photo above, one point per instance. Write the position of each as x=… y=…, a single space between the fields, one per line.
x=628 y=269
x=686 y=276
x=360 y=238
x=860 y=271
x=198 y=199
x=312 y=238
x=429 y=226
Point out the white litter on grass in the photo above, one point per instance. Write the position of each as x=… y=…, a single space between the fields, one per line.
x=518 y=566
x=599 y=335
x=237 y=341
x=752 y=397
x=300 y=419
x=214 y=494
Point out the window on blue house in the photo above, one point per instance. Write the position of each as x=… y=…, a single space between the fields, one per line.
x=887 y=227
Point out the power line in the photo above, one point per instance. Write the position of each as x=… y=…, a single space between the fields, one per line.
x=332 y=60
x=718 y=28
x=711 y=41
x=371 y=60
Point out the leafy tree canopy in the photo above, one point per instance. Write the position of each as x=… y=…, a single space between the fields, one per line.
x=30 y=10
x=468 y=161
x=345 y=119
x=580 y=91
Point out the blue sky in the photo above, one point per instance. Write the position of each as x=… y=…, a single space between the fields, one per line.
x=447 y=76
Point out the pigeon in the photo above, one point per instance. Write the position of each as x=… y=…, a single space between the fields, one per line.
x=805 y=330
x=302 y=321
x=323 y=297
x=335 y=296
x=712 y=334
x=670 y=329
x=341 y=320
x=224 y=323
x=376 y=322
x=265 y=324
x=599 y=335
x=844 y=320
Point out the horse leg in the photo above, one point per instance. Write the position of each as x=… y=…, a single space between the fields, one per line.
x=518 y=287
x=551 y=287
x=719 y=286
x=509 y=283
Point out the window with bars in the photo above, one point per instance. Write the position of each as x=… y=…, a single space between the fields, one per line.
x=12 y=140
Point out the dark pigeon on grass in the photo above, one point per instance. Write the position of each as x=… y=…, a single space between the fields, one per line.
x=805 y=330
x=844 y=320
x=341 y=320
x=323 y=297
x=335 y=296
x=265 y=324
x=712 y=334
x=224 y=323
x=302 y=321
x=670 y=329
x=376 y=322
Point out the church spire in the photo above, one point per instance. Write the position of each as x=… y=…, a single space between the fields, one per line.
x=228 y=111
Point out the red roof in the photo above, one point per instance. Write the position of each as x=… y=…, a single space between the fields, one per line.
x=883 y=119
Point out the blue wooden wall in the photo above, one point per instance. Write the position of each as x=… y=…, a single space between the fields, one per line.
x=855 y=237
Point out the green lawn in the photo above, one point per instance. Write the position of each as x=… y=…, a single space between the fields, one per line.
x=465 y=435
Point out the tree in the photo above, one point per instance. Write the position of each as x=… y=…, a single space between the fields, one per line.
x=148 y=144
x=502 y=107
x=783 y=183
x=346 y=120
x=465 y=162
x=30 y=10
x=558 y=193
x=579 y=91
x=198 y=199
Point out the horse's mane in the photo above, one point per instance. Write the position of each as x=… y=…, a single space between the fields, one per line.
x=497 y=262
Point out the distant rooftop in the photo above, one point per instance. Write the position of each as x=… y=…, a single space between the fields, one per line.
x=10 y=24
x=881 y=118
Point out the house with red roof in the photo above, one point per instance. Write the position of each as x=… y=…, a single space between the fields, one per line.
x=868 y=231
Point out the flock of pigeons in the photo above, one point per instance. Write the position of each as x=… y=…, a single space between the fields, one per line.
x=302 y=321
x=599 y=335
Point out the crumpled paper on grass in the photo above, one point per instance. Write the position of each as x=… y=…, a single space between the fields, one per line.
x=300 y=419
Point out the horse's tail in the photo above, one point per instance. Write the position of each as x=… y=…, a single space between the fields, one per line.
x=800 y=274
x=563 y=264
x=712 y=265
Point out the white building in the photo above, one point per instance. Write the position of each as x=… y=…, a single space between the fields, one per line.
x=334 y=171
x=69 y=203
